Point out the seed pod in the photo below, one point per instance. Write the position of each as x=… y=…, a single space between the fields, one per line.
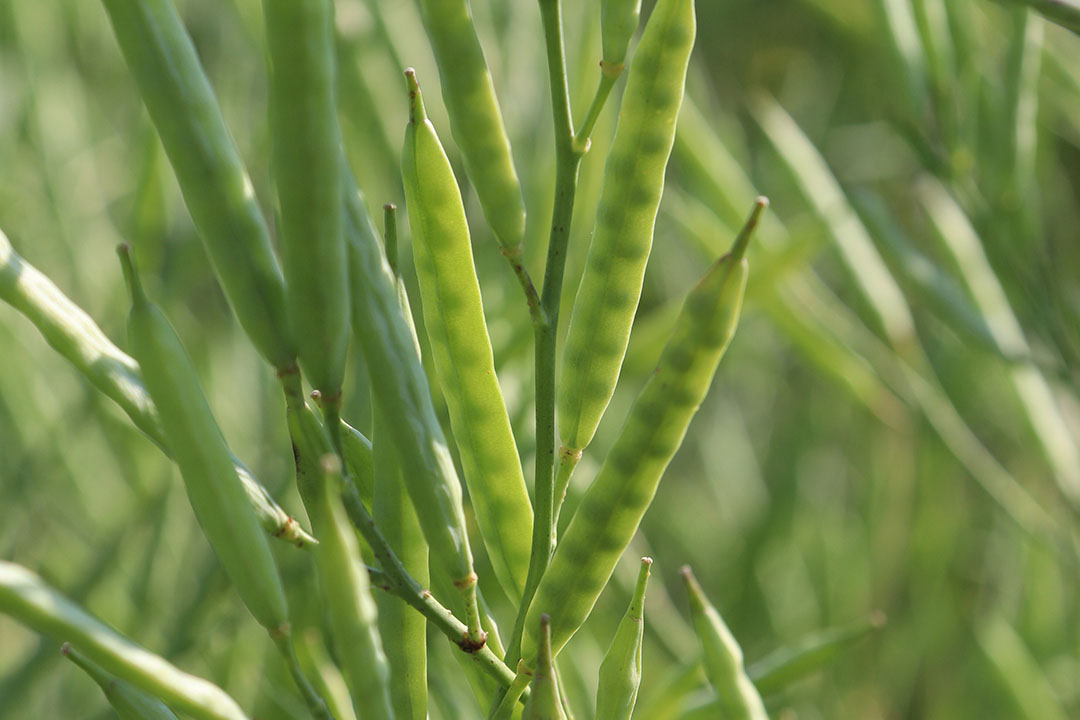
x=75 y=335
x=350 y=607
x=404 y=631
x=454 y=318
x=544 y=703
x=614 y=504
x=307 y=169
x=610 y=288
x=618 y=21
x=739 y=698
x=212 y=178
x=400 y=388
x=213 y=487
x=25 y=597
x=620 y=672
x=475 y=120
x=129 y=702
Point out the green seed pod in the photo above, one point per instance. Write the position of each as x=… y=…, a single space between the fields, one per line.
x=25 y=597
x=404 y=631
x=614 y=504
x=75 y=335
x=216 y=494
x=610 y=288
x=739 y=698
x=307 y=169
x=618 y=21
x=129 y=702
x=400 y=388
x=454 y=318
x=544 y=703
x=475 y=120
x=325 y=674
x=212 y=178
x=350 y=607
x=620 y=672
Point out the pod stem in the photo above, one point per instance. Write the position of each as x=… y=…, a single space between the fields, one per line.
x=131 y=274
x=314 y=701
x=436 y=613
x=475 y=635
x=742 y=240
x=603 y=90
x=532 y=299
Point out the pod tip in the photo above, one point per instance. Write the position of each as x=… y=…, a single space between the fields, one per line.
x=646 y=560
x=416 y=98
x=131 y=274
x=742 y=241
x=65 y=649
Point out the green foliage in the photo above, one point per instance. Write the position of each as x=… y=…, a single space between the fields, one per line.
x=894 y=430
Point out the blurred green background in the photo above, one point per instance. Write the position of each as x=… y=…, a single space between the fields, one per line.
x=894 y=428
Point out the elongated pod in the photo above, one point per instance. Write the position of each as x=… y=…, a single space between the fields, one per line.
x=212 y=178
x=213 y=487
x=610 y=288
x=25 y=597
x=723 y=657
x=475 y=120
x=400 y=387
x=620 y=672
x=347 y=597
x=129 y=702
x=612 y=507
x=403 y=629
x=307 y=169
x=454 y=318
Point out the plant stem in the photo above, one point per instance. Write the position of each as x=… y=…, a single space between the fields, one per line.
x=437 y=614
x=568 y=159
